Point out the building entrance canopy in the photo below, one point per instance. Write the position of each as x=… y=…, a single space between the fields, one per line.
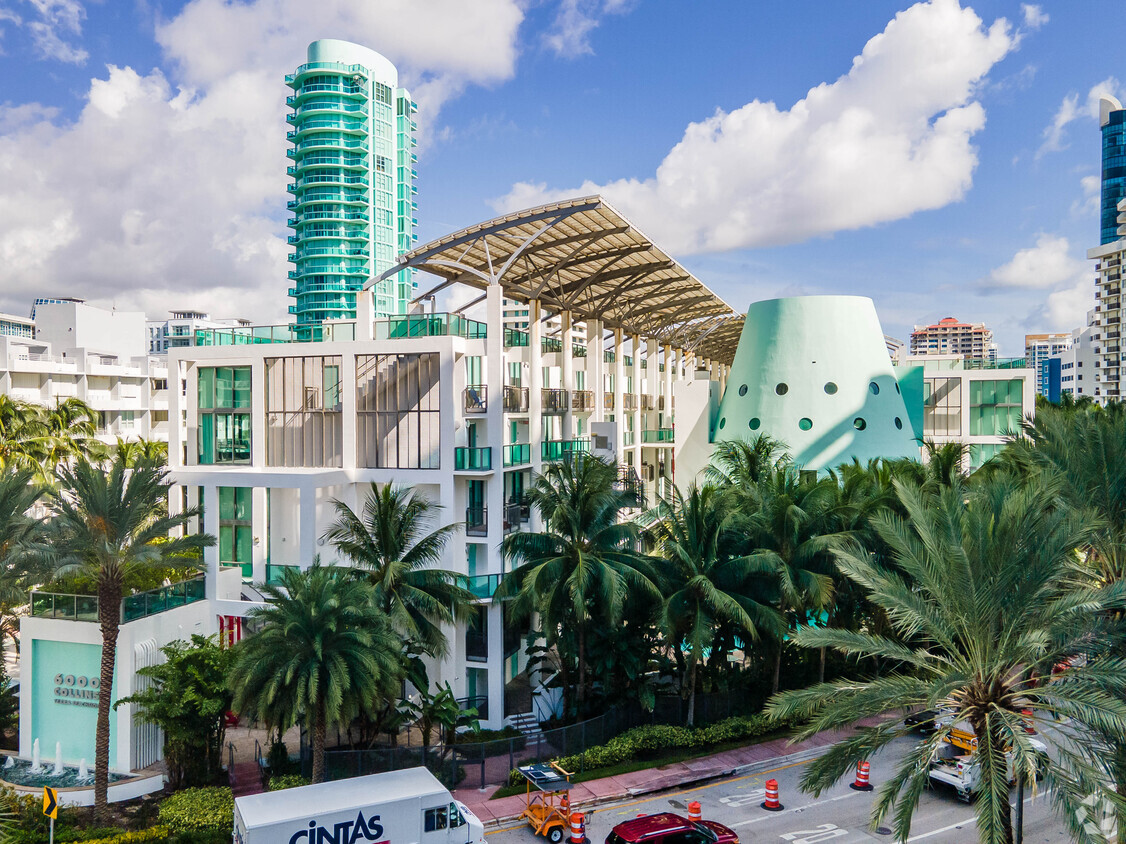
x=582 y=256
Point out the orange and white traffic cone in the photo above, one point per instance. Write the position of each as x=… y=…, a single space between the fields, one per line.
x=578 y=828
x=694 y=811
x=861 y=783
x=771 y=803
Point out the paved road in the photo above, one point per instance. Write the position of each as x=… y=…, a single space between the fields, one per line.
x=839 y=816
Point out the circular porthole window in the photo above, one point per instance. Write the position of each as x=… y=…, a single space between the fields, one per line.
x=899 y=423
x=754 y=423
x=805 y=423
x=831 y=388
x=859 y=424
x=743 y=390
x=782 y=389
x=722 y=421
x=873 y=388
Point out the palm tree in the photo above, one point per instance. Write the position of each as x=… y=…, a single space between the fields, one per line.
x=792 y=525
x=388 y=539
x=581 y=570
x=324 y=653
x=108 y=521
x=21 y=549
x=743 y=464
x=707 y=586
x=132 y=450
x=997 y=597
x=20 y=427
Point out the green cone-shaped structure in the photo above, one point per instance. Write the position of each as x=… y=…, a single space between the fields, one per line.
x=814 y=372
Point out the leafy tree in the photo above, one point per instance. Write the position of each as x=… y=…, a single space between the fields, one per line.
x=388 y=539
x=706 y=585
x=579 y=571
x=106 y=522
x=439 y=710
x=743 y=464
x=132 y=450
x=997 y=596
x=324 y=654
x=188 y=700
x=21 y=547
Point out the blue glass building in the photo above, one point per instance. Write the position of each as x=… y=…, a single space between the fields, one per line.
x=1112 y=119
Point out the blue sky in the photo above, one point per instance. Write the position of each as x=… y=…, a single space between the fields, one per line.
x=948 y=172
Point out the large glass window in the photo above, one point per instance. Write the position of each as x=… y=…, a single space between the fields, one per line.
x=397 y=408
x=942 y=407
x=304 y=418
x=235 y=535
x=224 y=414
x=995 y=407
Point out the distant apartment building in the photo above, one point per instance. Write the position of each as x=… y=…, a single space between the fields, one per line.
x=352 y=194
x=179 y=330
x=895 y=347
x=1108 y=318
x=1112 y=123
x=1039 y=348
x=948 y=336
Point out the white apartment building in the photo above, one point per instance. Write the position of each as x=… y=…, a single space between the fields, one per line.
x=180 y=329
x=1108 y=317
x=948 y=336
x=79 y=351
x=459 y=406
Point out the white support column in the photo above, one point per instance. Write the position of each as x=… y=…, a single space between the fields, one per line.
x=306 y=525
x=619 y=394
x=535 y=397
x=365 y=312
x=666 y=419
x=258 y=412
x=495 y=625
x=348 y=431
x=260 y=541
x=638 y=417
x=211 y=554
x=652 y=380
x=568 y=368
x=596 y=368
x=494 y=420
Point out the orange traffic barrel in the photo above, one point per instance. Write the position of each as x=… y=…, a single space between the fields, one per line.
x=694 y=811
x=861 y=783
x=771 y=803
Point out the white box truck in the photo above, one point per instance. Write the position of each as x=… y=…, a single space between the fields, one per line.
x=399 y=807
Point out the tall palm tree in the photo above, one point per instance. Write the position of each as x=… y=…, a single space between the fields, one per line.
x=706 y=584
x=742 y=464
x=21 y=426
x=324 y=654
x=997 y=597
x=792 y=525
x=582 y=568
x=388 y=539
x=108 y=520
x=21 y=548
x=132 y=450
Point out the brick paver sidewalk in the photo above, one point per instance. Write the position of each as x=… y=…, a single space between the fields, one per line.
x=494 y=813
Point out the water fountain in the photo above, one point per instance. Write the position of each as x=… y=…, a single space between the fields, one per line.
x=35 y=766
x=10 y=762
x=83 y=772
x=57 y=771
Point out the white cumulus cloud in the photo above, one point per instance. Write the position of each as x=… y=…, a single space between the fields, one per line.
x=1071 y=109
x=569 y=35
x=1034 y=16
x=889 y=138
x=57 y=22
x=168 y=189
x=1047 y=265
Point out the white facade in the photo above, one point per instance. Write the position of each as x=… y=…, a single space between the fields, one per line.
x=1108 y=320
x=73 y=325
x=1040 y=347
x=948 y=336
x=180 y=329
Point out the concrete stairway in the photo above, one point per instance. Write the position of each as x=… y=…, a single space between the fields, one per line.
x=527 y=724
x=246 y=779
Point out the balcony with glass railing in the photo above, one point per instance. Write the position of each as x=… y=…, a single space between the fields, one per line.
x=515 y=399
x=475 y=398
x=468 y=459
x=658 y=435
x=336 y=67
x=553 y=400
x=513 y=337
x=551 y=344
x=71 y=607
x=560 y=449
x=483 y=586
x=477 y=521
x=517 y=454
x=582 y=401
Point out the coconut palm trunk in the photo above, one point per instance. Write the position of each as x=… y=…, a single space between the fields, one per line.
x=320 y=728
x=109 y=619
x=691 y=720
x=582 y=668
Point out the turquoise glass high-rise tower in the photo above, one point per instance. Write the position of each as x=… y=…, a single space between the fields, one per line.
x=353 y=187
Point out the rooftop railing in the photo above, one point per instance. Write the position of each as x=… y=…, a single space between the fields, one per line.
x=393 y=328
x=133 y=607
x=558 y=449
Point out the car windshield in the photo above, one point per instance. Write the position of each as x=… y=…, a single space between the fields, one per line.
x=709 y=833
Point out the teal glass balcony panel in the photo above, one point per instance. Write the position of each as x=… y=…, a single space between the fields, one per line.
x=477 y=521
x=322 y=104
x=133 y=607
x=473 y=459
x=341 y=124
x=255 y=334
x=430 y=325
x=327 y=140
x=275 y=571
x=627 y=360
x=551 y=344
x=578 y=350
x=517 y=454
x=326 y=179
x=337 y=67
x=609 y=356
x=658 y=435
x=483 y=586
x=559 y=449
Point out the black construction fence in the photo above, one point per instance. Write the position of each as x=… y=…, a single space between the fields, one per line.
x=488 y=763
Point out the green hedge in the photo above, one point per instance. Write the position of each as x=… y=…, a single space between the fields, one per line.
x=287 y=781
x=654 y=740
x=199 y=809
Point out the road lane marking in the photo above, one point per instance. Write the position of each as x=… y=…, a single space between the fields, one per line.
x=968 y=822
x=797 y=809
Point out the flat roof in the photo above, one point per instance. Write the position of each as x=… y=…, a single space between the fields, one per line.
x=581 y=255
x=300 y=803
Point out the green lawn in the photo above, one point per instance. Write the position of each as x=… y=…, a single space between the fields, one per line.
x=641 y=764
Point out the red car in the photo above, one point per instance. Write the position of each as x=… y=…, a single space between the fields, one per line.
x=667 y=828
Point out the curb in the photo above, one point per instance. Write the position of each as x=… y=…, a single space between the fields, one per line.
x=796 y=757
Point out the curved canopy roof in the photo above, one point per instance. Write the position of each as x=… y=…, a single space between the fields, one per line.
x=583 y=256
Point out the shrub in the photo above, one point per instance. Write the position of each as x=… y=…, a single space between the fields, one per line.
x=479 y=736
x=199 y=808
x=287 y=781
x=155 y=833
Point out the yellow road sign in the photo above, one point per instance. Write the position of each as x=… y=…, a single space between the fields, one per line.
x=50 y=802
